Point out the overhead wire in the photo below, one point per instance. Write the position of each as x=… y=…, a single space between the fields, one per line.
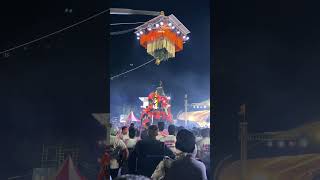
x=54 y=33
x=132 y=69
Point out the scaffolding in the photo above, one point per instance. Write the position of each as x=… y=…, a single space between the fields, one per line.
x=54 y=155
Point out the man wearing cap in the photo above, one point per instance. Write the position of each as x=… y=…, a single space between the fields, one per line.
x=184 y=166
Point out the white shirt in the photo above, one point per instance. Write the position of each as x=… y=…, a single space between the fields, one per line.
x=204 y=146
x=117 y=143
x=170 y=142
x=131 y=143
x=124 y=137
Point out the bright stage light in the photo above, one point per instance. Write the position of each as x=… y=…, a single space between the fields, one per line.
x=161 y=23
x=138 y=38
x=149 y=28
x=173 y=27
x=141 y=32
x=157 y=25
x=178 y=32
x=170 y=24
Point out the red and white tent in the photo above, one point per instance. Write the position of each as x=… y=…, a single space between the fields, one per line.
x=67 y=171
x=131 y=118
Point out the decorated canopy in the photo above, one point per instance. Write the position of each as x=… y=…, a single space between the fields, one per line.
x=162 y=37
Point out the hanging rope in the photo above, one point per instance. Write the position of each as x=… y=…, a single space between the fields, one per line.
x=56 y=32
x=132 y=69
x=121 y=32
x=118 y=24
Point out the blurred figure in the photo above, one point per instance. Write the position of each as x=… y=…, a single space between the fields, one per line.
x=162 y=133
x=204 y=144
x=118 y=153
x=138 y=134
x=196 y=132
x=144 y=133
x=170 y=140
x=204 y=148
x=132 y=177
x=148 y=153
x=131 y=125
x=124 y=135
x=184 y=166
x=131 y=142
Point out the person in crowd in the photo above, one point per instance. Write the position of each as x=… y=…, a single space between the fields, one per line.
x=131 y=142
x=118 y=153
x=162 y=133
x=138 y=134
x=170 y=140
x=204 y=144
x=196 y=132
x=131 y=125
x=124 y=135
x=180 y=128
x=148 y=153
x=144 y=133
x=132 y=177
x=185 y=166
x=204 y=147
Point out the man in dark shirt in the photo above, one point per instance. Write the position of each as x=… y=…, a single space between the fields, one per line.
x=148 y=153
x=144 y=133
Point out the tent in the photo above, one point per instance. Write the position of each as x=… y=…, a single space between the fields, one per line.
x=68 y=171
x=131 y=118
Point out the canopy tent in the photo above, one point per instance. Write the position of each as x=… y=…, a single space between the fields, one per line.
x=67 y=171
x=131 y=118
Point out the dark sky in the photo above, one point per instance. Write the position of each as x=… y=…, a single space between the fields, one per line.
x=188 y=73
x=49 y=90
x=267 y=56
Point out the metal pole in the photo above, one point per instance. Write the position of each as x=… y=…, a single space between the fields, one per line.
x=186 y=110
x=243 y=142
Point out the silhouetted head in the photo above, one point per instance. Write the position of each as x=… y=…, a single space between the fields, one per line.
x=161 y=126
x=172 y=129
x=185 y=141
x=153 y=131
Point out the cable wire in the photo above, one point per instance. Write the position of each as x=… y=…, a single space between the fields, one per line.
x=132 y=69
x=56 y=32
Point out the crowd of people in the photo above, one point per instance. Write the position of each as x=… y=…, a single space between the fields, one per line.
x=159 y=153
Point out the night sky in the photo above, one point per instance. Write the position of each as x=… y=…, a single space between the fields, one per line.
x=188 y=73
x=50 y=88
x=267 y=56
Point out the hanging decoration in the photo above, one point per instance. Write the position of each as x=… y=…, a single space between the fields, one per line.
x=162 y=37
